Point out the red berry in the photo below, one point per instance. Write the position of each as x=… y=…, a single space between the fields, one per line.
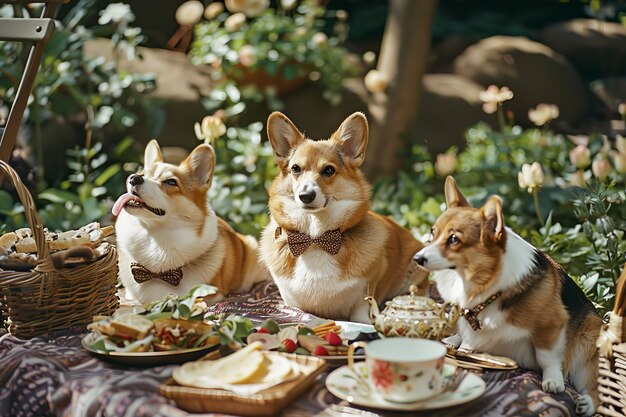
x=290 y=345
x=320 y=351
x=333 y=339
x=262 y=330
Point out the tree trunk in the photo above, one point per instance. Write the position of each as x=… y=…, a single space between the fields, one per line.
x=403 y=60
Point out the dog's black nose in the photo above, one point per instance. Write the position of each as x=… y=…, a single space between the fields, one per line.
x=307 y=196
x=135 y=179
x=421 y=260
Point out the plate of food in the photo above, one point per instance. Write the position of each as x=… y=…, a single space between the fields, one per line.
x=133 y=339
x=325 y=339
x=174 y=330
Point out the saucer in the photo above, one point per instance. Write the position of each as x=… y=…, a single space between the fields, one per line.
x=342 y=383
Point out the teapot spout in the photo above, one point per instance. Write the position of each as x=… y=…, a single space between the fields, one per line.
x=374 y=312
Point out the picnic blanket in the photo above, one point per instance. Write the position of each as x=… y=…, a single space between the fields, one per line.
x=52 y=375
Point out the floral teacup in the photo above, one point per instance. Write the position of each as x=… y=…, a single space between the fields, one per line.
x=401 y=369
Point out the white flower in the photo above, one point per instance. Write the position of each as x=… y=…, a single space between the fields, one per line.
x=288 y=4
x=341 y=15
x=620 y=144
x=531 y=176
x=543 y=113
x=369 y=57
x=446 y=163
x=213 y=10
x=619 y=161
x=247 y=55
x=490 y=107
x=319 y=39
x=606 y=146
x=250 y=8
x=578 y=178
x=601 y=168
x=580 y=156
x=189 y=13
x=116 y=13
x=495 y=94
x=376 y=81
x=63 y=67
x=234 y=22
x=210 y=129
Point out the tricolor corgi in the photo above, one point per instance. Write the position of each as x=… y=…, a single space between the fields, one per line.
x=325 y=250
x=170 y=240
x=515 y=300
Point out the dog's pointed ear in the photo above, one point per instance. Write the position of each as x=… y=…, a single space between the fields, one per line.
x=201 y=163
x=454 y=196
x=283 y=136
x=152 y=154
x=353 y=135
x=493 y=221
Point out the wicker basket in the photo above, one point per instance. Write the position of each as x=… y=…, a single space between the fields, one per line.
x=612 y=344
x=50 y=297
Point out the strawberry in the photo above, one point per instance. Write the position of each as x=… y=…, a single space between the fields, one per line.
x=262 y=330
x=320 y=351
x=333 y=339
x=290 y=345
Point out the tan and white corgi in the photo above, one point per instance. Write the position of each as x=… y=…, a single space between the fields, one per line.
x=516 y=301
x=325 y=250
x=170 y=240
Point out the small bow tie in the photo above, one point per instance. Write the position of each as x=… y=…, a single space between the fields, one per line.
x=143 y=274
x=329 y=241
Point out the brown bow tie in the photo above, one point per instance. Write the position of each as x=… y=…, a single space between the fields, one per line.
x=299 y=242
x=143 y=274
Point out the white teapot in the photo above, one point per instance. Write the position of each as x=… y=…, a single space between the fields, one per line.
x=414 y=316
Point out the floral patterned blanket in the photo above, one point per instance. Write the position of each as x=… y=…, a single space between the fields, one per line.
x=53 y=375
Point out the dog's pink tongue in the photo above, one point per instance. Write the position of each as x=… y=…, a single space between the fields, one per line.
x=121 y=202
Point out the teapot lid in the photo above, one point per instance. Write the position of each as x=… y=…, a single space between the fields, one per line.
x=413 y=302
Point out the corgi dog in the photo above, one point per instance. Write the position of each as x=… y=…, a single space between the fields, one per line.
x=325 y=250
x=515 y=300
x=169 y=240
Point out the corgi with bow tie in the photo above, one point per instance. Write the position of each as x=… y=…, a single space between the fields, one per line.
x=170 y=240
x=323 y=246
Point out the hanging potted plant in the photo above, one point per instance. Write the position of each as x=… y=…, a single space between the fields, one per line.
x=274 y=50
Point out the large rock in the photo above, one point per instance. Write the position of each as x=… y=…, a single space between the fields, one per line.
x=534 y=72
x=449 y=105
x=179 y=84
x=596 y=48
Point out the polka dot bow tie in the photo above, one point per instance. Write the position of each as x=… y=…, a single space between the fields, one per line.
x=143 y=274
x=329 y=241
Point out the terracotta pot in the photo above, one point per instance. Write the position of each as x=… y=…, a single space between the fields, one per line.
x=261 y=79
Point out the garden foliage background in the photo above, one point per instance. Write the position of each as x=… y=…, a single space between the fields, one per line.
x=564 y=193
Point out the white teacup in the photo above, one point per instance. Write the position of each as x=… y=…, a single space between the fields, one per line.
x=401 y=369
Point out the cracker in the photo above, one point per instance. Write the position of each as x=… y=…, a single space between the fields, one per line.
x=107 y=231
x=7 y=242
x=23 y=233
x=70 y=239
x=26 y=245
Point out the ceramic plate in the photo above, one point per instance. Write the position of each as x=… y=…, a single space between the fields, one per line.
x=342 y=383
x=145 y=358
